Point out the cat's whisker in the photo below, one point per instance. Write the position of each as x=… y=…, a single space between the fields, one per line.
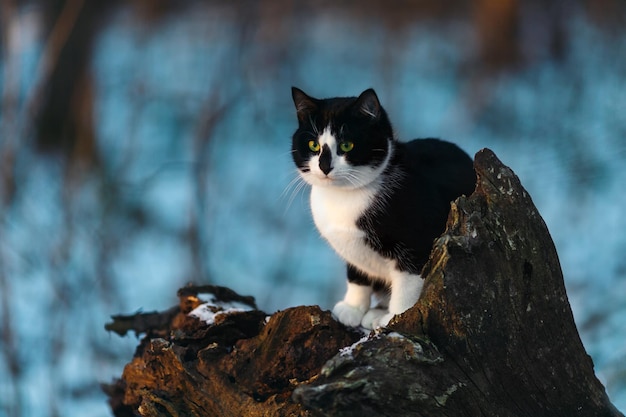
x=282 y=155
x=289 y=176
x=290 y=186
x=292 y=189
x=293 y=196
x=295 y=181
x=352 y=178
x=301 y=186
x=349 y=172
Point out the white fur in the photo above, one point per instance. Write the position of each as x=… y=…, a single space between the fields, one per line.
x=405 y=290
x=338 y=200
x=358 y=295
x=335 y=212
x=337 y=204
x=354 y=306
x=372 y=318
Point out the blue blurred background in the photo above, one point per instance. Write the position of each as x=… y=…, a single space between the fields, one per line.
x=145 y=144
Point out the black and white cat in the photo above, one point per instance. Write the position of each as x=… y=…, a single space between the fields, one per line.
x=379 y=202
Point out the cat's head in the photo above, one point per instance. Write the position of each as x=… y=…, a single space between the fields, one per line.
x=341 y=142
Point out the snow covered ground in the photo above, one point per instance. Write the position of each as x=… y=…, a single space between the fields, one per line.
x=74 y=260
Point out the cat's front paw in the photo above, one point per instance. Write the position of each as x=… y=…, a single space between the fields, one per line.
x=382 y=320
x=347 y=314
x=371 y=319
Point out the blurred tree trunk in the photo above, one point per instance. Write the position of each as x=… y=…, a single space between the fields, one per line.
x=512 y=33
x=62 y=105
x=492 y=335
x=497 y=25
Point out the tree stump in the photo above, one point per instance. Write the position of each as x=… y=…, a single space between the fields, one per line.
x=492 y=335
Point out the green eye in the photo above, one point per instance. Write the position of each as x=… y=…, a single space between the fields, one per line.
x=314 y=146
x=346 y=146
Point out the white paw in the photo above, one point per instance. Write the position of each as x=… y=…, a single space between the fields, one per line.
x=382 y=320
x=372 y=316
x=347 y=314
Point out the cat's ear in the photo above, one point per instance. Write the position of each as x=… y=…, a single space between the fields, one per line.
x=305 y=105
x=368 y=104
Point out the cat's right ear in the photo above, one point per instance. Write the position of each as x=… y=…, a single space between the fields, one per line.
x=368 y=104
x=305 y=105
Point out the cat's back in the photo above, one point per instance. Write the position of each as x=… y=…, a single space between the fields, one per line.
x=432 y=151
x=437 y=161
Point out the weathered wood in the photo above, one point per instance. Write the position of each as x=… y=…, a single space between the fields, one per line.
x=492 y=335
x=142 y=322
x=243 y=364
x=495 y=307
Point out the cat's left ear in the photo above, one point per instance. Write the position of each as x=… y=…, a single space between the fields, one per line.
x=368 y=104
x=305 y=105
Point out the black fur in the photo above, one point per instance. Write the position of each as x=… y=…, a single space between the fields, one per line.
x=414 y=210
x=422 y=178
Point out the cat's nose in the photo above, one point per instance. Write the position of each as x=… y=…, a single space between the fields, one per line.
x=326 y=160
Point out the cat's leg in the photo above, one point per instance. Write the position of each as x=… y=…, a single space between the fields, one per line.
x=357 y=300
x=405 y=290
x=382 y=292
x=381 y=296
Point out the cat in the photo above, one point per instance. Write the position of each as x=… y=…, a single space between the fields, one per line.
x=379 y=202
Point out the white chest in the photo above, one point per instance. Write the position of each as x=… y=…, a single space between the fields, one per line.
x=335 y=212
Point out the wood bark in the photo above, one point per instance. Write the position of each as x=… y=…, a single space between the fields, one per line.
x=492 y=335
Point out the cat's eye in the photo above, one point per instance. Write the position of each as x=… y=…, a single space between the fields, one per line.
x=346 y=146
x=314 y=146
